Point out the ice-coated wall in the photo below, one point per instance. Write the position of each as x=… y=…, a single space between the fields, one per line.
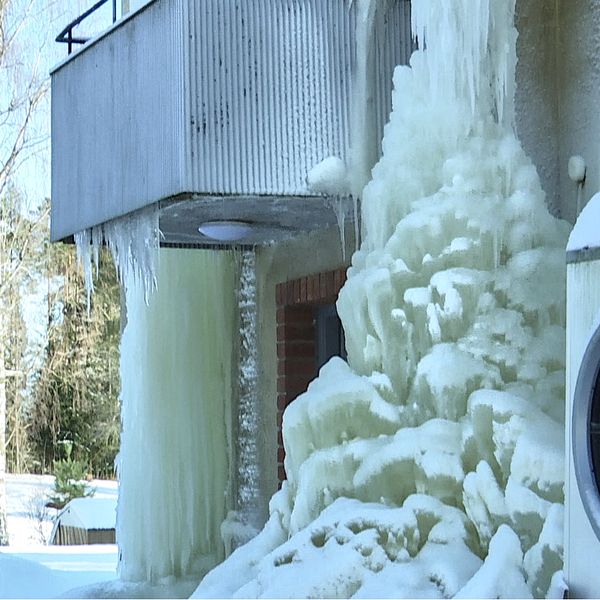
x=432 y=464
x=178 y=376
x=579 y=90
x=558 y=83
x=536 y=94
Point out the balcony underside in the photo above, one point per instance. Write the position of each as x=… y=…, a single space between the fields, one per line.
x=270 y=219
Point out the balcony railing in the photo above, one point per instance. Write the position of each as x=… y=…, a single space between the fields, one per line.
x=66 y=35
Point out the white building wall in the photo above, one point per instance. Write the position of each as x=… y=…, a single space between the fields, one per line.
x=579 y=90
x=558 y=86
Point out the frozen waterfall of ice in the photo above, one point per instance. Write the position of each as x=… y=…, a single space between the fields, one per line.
x=178 y=373
x=431 y=465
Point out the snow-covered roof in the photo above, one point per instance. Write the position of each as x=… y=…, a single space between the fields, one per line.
x=90 y=513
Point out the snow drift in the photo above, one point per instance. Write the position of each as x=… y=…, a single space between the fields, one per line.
x=432 y=464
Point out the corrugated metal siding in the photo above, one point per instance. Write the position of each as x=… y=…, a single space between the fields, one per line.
x=394 y=47
x=117 y=121
x=267 y=93
x=209 y=97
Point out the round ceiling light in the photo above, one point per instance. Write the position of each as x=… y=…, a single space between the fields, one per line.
x=225 y=231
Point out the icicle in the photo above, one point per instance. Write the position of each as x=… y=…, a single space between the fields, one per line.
x=470 y=53
x=87 y=255
x=133 y=241
x=338 y=207
x=177 y=385
x=361 y=160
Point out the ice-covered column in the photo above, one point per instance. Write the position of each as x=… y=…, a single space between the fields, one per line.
x=177 y=373
x=248 y=415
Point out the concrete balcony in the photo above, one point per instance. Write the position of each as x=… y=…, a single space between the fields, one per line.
x=216 y=110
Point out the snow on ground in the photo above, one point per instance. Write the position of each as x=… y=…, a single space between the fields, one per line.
x=29 y=521
x=30 y=569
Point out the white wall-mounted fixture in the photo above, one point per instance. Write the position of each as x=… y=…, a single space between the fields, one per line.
x=225 y=231
x=577 y=171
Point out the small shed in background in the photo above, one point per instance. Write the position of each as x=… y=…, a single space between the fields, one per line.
x=86 y=521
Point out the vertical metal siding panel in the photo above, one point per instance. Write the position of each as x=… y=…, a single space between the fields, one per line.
x=292 y=90
x=313 y=140
x=241 y=97
x=394 y=48
x=282 y=89
x=306 y=100
x=245 y=126
x=303 y=98
x=273 y=141
x=217 y=92
x=331 y=145
x=274 y=71
x=257 y=98
x=278 y=58
x=320 y=82
x=268 y=140
x=293 y=81
x=192 y=49
x=331 y=79
x=269 y=135
x=229 y=129
x=188 y=87
x=263 y=129
x=119 y=133
x=344 y=90
x=221 y=91
x=254 y=107
x=236 y=146
x=302 y=127
x=205 y=74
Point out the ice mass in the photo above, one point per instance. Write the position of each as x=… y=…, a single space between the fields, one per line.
x=431 y=463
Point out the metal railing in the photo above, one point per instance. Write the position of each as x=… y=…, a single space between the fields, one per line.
x=66 y=35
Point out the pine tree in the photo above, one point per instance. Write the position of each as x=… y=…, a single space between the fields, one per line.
x=76 y=394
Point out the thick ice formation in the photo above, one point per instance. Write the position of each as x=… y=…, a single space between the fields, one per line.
x=432 y=466
x=177 y=416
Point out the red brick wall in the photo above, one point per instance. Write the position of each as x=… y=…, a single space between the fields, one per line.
x=296 y=366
